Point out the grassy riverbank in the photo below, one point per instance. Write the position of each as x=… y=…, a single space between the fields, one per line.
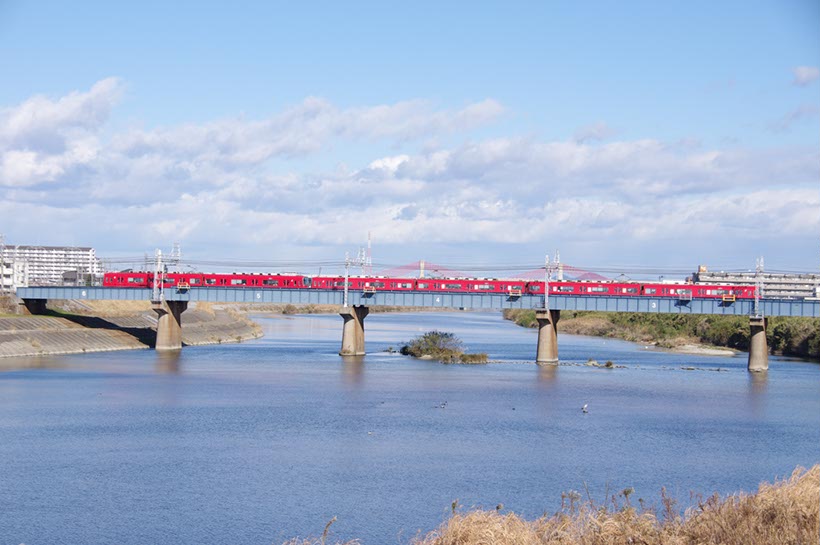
x=798 y=337
x=786 y=512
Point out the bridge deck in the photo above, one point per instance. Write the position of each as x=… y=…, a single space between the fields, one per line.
x=489 y=301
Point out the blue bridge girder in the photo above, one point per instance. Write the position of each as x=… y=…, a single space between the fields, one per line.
x=474 y=301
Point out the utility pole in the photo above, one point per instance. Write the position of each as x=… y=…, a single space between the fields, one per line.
x=559 y=266
x=548 y=268
x=158 y=294
x=758 y=285
x=361 y=260
x=176 y=255
x=368 y=260
x=347 y=277
x=547 y=283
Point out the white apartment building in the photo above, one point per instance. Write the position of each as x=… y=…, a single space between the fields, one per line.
x=45 y=265
x=12 y=276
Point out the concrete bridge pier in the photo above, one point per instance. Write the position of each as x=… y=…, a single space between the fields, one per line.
x=35 y=306
x=758 y=347
x=353 y=330
x=169 y=324
x=547 y=336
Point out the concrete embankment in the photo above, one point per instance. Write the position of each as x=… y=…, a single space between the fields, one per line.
x=76 y=327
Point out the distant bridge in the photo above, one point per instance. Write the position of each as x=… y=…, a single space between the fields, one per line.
x=174 y=302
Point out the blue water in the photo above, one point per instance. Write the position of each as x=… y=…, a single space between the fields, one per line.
x=267 y=440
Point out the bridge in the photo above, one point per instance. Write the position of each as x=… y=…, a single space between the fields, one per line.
x=173 y=303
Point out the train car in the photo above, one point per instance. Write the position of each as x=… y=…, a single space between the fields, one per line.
x=127 y=279
x=682 y=291
x=373 y=284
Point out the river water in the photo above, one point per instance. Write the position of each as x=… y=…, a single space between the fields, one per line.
x=263 y=441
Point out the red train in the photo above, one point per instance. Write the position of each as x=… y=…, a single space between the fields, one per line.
x=185 y=281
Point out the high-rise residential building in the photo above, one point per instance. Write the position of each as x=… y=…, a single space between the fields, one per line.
x=772 y=285
x=13 y=275
x=46 y=264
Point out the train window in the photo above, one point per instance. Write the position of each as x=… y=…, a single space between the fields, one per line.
x=562 y=288
x=598 y=289
x=483 y=287
x=377 y=284
x=307 y=281
x=210 y=281
x=650 y=291
x=452 y=286
x=406 y=285
x=629 y=290
x=237 y=281
x=134 y=280
x=193 y=280
x=423 y=285
x=535 y=288
x=270 y=282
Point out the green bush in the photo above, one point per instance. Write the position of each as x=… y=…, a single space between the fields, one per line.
x=438 y=344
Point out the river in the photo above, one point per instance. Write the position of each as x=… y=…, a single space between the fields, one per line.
x=267 y=440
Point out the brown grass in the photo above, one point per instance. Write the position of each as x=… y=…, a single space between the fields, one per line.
x=786 y=512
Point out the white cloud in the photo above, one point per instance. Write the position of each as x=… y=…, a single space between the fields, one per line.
x=241 y=187
x=43 y=139
x=803 y=75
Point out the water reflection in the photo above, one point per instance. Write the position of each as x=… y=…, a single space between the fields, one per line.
x=353 y=369
x=31 y=362
x=167 y=362
x=547 y=376
x=758 y=383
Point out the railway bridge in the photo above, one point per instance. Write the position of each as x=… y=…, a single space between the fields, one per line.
x=355 y=305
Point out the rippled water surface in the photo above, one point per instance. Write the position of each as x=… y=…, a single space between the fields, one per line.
x=266 y=440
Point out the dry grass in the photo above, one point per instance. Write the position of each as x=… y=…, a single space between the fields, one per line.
x=786 y=512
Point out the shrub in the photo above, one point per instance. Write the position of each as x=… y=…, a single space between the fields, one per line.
x=437 y=344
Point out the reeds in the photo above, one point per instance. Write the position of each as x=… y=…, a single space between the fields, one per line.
x=786 y=512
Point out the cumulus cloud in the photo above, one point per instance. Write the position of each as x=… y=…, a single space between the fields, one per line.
x=241 y=186
x=43 y=139
x=804 y=75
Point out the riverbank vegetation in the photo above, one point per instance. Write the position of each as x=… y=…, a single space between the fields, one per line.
x=442 y=346
x=786 y=512
x=788 y=336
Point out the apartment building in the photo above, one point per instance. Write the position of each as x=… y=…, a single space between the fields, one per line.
x=45 y=265
x=13 y=275
x=774 y=285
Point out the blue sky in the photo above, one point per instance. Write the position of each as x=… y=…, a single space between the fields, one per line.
x=650 y=133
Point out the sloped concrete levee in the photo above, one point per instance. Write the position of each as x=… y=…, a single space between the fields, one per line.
x=71 y=327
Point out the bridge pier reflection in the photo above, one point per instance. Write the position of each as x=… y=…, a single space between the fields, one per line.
x=547 y=351
x=353 y=330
